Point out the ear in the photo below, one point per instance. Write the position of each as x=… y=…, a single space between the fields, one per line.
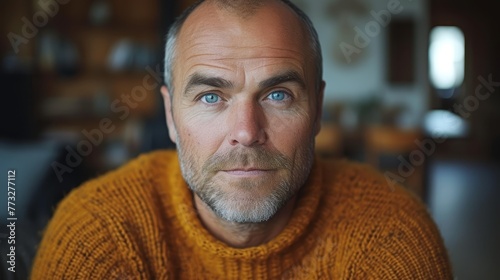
x=319 y=108
x=172 y=132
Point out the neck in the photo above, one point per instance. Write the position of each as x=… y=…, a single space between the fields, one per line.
x=240 y=235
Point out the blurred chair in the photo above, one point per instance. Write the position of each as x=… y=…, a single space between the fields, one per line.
x=329 y=141
x=38 y=192
x=383 y=147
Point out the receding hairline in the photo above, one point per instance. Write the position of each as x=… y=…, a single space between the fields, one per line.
x=242 y=8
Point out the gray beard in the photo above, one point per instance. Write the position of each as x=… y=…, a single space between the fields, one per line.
x=251 y=210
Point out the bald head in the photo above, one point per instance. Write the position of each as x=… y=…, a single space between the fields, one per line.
x=243 y=9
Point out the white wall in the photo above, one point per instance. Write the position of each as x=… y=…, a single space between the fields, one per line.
x=366 y=78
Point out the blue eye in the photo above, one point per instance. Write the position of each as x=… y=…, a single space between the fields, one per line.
x=277 y=95
x=210 y=98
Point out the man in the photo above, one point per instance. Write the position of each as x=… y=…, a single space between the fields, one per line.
x=244 y=197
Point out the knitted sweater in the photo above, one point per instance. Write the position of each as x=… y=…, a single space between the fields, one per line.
x=139 y=222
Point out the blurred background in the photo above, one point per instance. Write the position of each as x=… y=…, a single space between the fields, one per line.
x=413 y=88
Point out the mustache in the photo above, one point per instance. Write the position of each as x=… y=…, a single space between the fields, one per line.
x=258 y=158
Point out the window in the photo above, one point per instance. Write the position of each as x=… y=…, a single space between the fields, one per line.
x=446 y=58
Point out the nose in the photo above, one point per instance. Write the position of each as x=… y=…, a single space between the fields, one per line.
x=247 y=124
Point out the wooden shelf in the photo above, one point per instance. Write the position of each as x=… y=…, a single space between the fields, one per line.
x=81 y=100
x=125 y=13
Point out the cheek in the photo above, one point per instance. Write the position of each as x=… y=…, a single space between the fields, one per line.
x=199 y=135
x=291 y=132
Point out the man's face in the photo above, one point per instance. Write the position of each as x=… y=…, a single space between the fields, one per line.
x=245 y=112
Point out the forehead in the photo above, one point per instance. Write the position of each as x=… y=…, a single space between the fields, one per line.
x=272 y=34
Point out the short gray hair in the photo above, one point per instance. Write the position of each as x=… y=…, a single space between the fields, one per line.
x=173 y=32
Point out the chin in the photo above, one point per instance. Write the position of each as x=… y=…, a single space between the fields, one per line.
x=246 y=208
x=245 y=213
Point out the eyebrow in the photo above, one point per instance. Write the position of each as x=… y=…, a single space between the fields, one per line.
x=287 y=76
x=198 y=79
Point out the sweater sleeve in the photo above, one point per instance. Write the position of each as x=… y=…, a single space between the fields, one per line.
x=412 y=247
x=387 y=232
x=77 y=245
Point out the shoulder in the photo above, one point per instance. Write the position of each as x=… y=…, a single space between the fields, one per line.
x=126 y=195
x=143 y=167
x=382 y=221
x=351 y=182
x=103 y=222
x=138 y=175
x=366 y=195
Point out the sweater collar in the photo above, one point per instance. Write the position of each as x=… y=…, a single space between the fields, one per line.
x=180 y=198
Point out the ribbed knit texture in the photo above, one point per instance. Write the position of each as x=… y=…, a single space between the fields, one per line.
x=139 y=223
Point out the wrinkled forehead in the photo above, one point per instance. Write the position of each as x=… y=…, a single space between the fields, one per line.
x=273 y=26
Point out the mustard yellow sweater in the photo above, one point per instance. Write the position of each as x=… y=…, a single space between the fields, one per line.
x=139 y=223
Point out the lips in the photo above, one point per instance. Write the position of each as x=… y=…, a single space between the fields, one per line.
x=247 y=171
